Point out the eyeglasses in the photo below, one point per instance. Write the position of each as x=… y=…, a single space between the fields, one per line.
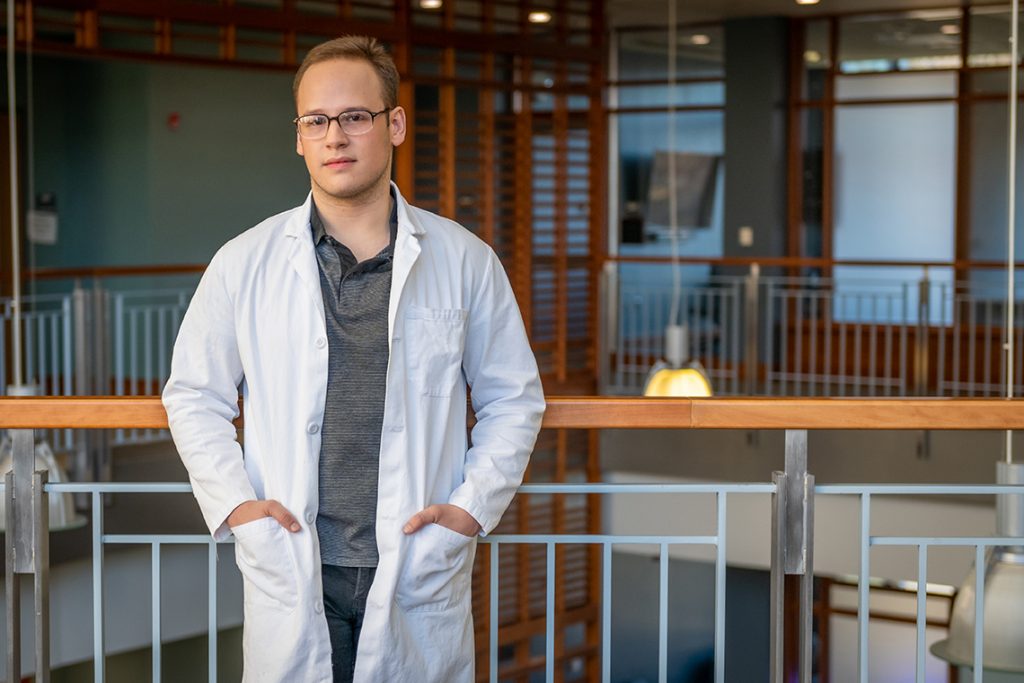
x=354 y=122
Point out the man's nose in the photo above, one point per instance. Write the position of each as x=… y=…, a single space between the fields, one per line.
x=335 y=135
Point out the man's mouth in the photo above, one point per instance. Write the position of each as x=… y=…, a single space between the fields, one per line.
x=340 y=162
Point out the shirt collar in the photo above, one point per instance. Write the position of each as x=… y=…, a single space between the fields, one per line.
x=316 y=223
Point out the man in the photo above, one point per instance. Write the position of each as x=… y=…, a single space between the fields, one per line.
x=352 y=325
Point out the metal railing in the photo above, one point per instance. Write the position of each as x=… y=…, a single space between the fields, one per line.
x=792 y=492
x=812 y=336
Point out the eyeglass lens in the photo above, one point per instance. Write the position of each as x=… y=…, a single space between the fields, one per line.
x=351 y=122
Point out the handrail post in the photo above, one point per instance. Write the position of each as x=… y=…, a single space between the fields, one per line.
x=27 y=552
x=81 y=300
x=751 y=329
x=101 y=351
x=608 y=315
x=921 y=364
x=792 y=553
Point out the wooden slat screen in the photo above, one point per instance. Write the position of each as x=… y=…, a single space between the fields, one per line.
x=507 y=136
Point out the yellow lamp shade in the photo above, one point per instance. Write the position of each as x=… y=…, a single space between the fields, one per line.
x=687 y=381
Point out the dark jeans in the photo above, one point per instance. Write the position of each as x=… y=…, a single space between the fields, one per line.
x=345 y=590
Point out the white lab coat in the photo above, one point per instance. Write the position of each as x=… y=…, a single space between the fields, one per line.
x=256 y=321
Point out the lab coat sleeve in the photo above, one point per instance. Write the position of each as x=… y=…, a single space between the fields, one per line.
x=201 y=399
x=507 y=397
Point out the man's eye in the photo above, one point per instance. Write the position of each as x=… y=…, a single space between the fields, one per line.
x=313 y=121
x=356 y=116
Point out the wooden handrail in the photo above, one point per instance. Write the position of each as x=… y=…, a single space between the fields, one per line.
x=112 y=271
x=812 y=262
x=109 y=412
x=764 y=261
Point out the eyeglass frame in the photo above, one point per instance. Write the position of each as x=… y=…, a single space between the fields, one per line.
x=373 y=119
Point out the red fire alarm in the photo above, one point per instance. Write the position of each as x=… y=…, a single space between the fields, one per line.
x=173 y=121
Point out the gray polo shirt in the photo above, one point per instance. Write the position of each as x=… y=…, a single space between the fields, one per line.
x=356 y=313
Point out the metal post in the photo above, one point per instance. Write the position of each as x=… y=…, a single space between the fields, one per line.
x=41 y=575
x=11 y=586
x=82 y=306
x=27 y=552
x=796 y=501
x=792 y=553
x=921 y=365
x=751 y=328
x=807 y=583
x=100 y=438
x=778 y=577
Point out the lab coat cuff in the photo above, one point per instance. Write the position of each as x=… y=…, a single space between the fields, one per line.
x=221 y=532
x=477 y=511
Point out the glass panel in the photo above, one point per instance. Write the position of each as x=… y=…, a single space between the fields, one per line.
x=643 y=54
x=910 y=41
x=988 y=183
x=895 y=169
x=682 y=95
x=990 y=81
x=643 y=140
x=817 y=51
x=812 y=129
x=896 y=86
x=988 y=43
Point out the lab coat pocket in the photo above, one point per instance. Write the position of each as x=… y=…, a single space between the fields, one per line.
x=264 y=557
x=436 y=571
x=434 y=340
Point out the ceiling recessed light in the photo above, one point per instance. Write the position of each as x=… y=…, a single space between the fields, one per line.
x=539 y=17
x=430 y=4
x=807 y=2
x=700 y=39
x=812 y=57
x=950 y=29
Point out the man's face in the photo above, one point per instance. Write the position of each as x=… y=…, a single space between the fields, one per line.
x=347 y=167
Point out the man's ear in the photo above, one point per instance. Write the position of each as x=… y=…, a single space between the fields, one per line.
x=397 y=125
x=298 y=144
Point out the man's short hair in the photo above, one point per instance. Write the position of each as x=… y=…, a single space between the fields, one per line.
x=366 y=48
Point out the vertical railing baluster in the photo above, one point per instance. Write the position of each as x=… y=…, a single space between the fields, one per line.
x=663 y=614
x=940 y=361
x=986 y=353
x=495 y=613
x=888 y=346
x=783 y=342
x=904 y=349
x=957 y=360
x=549 y=645
x=972 y=343
x=799 y=379
x=769 y=338
x=979 y=613
x=606 y=613
x=922 y=603
x=873 y=348
x=843 y=359
x=211 y=606
x=156 y=610
x=720 y=577
x=863 y=587
x=858 y=343
x=812 y=342
x=98 y=646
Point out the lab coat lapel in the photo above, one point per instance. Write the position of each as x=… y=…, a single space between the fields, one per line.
x=301 y=254
x=407 y=250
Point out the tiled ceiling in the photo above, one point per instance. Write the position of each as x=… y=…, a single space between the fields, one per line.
x=655 y=12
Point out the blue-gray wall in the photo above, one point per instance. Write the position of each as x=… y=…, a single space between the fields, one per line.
x=132 y=190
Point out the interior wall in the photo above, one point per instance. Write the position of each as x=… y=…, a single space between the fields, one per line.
x=756 y=76
x=131 y=187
